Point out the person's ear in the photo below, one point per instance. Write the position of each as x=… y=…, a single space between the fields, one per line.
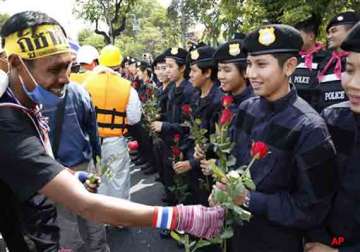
x=208 y=73
x=290 y=66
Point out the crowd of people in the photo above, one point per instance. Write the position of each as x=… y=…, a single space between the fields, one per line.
x=278 y=84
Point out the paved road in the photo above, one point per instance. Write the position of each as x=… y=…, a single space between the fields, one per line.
x=144 y=190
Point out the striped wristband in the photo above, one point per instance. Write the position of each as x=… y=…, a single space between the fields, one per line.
x=165 y=218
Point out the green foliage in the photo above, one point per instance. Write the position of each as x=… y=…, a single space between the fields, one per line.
x=88 y=37
x=3 y=18
x=111 y=12
x=156 y=30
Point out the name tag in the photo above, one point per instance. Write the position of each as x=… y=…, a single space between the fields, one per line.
x=333 y=96
x=302 y=79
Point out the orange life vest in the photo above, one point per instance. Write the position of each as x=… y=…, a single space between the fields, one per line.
x=110 y=95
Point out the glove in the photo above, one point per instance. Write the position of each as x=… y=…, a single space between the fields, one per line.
x=200 y=221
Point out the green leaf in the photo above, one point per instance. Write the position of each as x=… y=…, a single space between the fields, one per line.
x=201 y=244
x=249 y=183
x=227 y=234
x=177 y=237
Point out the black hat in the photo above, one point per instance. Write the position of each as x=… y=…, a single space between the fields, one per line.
x=132 y=61
x=159 y=59
x=201 y=55
x=352 y=40
x=232 y=51
x=345 y=18
x=275 y=38
x=142 y=64
x=179 y=54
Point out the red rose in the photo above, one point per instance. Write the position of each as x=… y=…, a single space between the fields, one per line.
x=176 y=151
x=259 y=150
x=177 y=137
x=186 y=109
x=149 y=92
x=133 y=145
x=227 y=100
x=226 y=116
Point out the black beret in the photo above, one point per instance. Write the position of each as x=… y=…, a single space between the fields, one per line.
x=345 y=18
x=179 y=54
x=275 y=38
x=352 y=40
x=142 y=64
x=201 y=54
x=132 y=61
x=159 y=59
x=232 y=51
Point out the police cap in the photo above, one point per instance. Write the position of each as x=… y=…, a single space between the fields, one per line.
x=232 y=51
x=177 y=53
x=275 y=38
x=352 y=40
x=344 y=18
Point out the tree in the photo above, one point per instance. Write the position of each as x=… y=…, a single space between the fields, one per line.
x=3 y=18
x=88 y=37
x=110 y=12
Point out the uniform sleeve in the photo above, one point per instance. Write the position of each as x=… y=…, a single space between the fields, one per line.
x=354 y=248
x=133 y=109
x=25 y=165
x=308 y=203
x=91 y=128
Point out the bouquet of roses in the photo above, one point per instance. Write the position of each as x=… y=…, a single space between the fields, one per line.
x=151 y=109
x=180 y=188
x=198 y=134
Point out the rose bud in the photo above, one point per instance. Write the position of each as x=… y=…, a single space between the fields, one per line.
x=227 y=100
x=259 y=150
x=226 y=117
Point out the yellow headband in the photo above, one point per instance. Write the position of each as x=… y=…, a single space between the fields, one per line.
x=46 y=40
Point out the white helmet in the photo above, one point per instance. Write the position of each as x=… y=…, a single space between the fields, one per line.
x=87 y=54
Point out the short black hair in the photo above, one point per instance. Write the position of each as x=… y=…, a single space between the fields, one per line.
x=25 y=20
x=209 y=65
x=309 y=25
x=283 y=57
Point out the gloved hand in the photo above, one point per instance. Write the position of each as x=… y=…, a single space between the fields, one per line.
x=200 y=221
x=89 y=180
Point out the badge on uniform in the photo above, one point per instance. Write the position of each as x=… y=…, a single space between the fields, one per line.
x=195 y=55
x=234 y=49
x=267 y=36
x=174 y=51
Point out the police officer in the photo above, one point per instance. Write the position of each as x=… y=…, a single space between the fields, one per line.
x=294 y=183
x=305 y=77
x=205 y=104
x=342 y=230
x=331 y=68
x=179 y=94
x=231 y=62
x=160 y=148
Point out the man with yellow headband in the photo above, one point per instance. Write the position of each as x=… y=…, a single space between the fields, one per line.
x=39 y=66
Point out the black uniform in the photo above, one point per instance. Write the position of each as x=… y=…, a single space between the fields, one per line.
x=294 y=184
x=206 y=110
x=344 y=218
x=330 y=89
x=305 y=77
